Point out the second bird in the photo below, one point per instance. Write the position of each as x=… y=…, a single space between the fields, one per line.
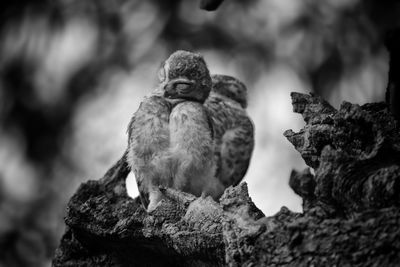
x=233 y=129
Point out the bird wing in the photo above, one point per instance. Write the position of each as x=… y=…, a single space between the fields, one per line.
x=148 y=133
x=234 y=139
x=235 y=153
x=236 y=149
x=130 y=126
x=139 y=177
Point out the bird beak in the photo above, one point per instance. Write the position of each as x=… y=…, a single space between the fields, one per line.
x=158 y=91
x=168 y=92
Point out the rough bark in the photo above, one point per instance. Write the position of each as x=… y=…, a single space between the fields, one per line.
x=351 y=207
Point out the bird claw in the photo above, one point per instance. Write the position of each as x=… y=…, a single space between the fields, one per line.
x=176 y=195
x=151 y=209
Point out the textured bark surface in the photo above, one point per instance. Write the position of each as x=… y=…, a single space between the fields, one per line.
x=351 y=207
x=355 y=152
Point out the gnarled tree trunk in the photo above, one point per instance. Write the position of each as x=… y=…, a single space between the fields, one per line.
x=351 y=207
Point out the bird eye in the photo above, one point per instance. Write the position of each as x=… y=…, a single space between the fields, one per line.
x=182 y=87
x=161 y=74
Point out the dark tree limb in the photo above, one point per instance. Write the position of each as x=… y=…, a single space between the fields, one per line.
x=393 y=88
x=210 y=5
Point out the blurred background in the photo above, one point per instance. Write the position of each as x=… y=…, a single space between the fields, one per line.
x=72 y=73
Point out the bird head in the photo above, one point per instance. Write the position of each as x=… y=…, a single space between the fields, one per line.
x=184 y=75
x=230 y=87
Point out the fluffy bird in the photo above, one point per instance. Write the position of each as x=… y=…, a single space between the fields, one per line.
x=233 y=129
x=170 y=135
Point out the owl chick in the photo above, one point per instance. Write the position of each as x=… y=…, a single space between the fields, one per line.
x=233 y=129
x=170 y=135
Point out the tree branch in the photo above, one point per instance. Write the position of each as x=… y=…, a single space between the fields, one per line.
x=351 y=207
